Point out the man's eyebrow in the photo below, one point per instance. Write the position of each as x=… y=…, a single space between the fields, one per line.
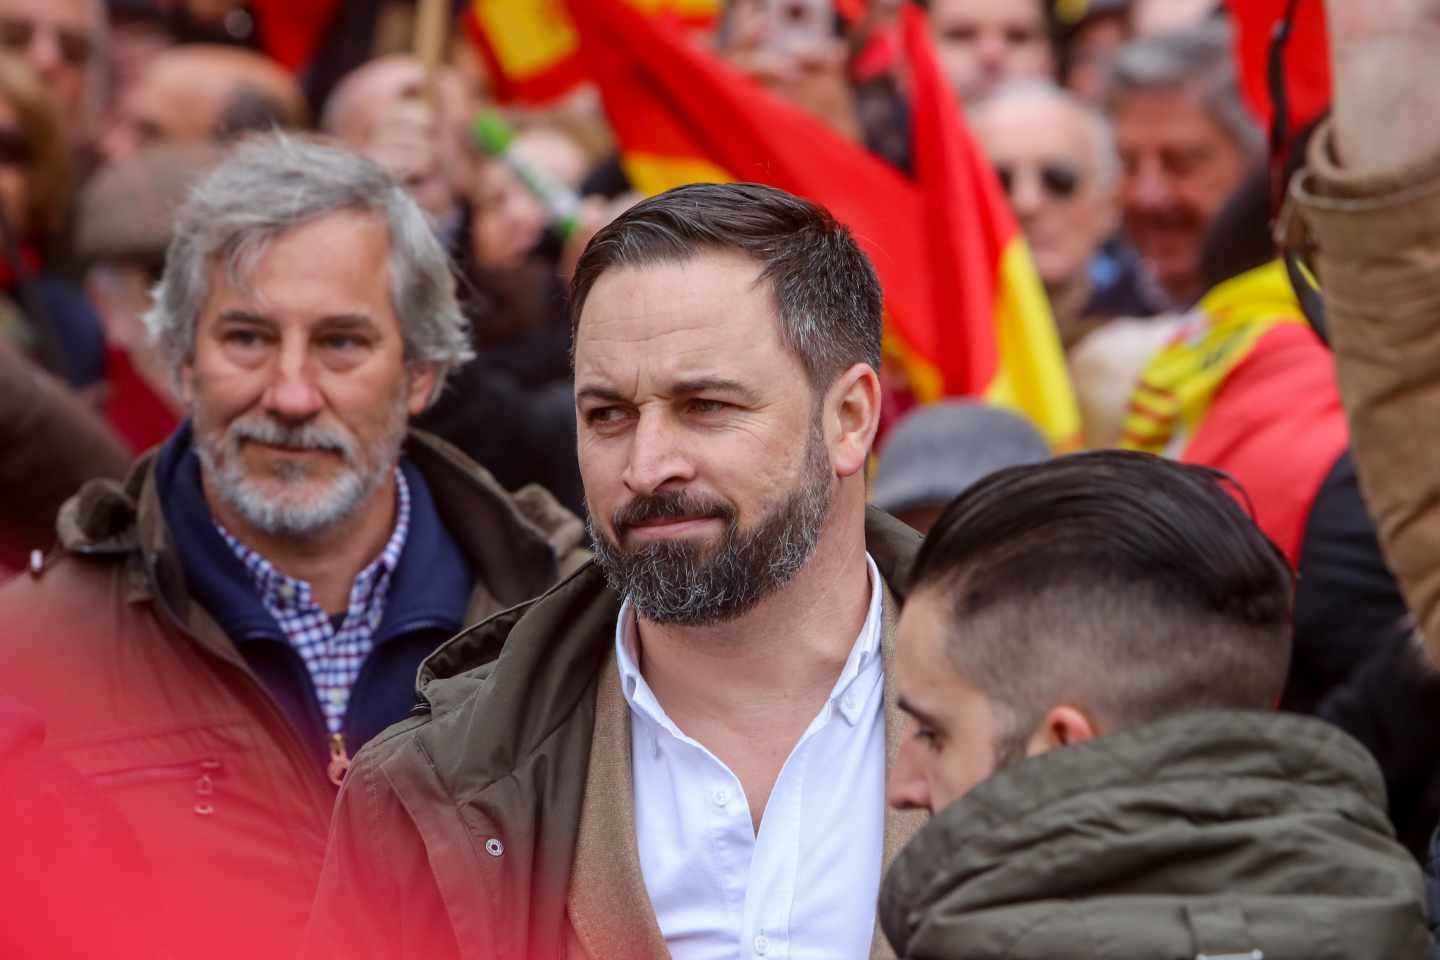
x=348 y=321
x=688 y=388
x=245 y=316
x=595 y=392
x=907 y=707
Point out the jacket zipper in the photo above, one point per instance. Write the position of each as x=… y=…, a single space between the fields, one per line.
x=339 y=759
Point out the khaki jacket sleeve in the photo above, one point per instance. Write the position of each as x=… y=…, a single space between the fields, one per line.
x=1374 y=242
x=377 y=896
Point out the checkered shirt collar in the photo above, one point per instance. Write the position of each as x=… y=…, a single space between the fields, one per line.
x=280 y=592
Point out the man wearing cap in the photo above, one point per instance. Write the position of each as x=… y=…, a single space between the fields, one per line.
x=937 y=451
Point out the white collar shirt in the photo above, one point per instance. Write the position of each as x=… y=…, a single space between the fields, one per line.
x=805 y=887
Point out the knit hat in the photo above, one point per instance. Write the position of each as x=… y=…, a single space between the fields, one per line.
x=935 y=452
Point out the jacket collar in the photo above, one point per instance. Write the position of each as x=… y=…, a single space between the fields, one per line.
x=482 y=539
x=609 y=905
x=1036 y=832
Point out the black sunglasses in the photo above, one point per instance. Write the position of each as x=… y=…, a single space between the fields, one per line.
x=16 y=36
x=1060 y=180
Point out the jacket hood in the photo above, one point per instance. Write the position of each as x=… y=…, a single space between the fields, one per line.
x=1113 y=842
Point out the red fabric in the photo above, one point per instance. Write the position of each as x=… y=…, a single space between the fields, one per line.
x=30 y=263
x=559 y=79
x=1307 y=57
x=290 y=31
x=967 y=222
x=1276 y=425
x=141 y=418
x=665 y=96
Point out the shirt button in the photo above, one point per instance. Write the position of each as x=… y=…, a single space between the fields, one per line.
x=761 y=945
x=721 y=797
x=848 y=701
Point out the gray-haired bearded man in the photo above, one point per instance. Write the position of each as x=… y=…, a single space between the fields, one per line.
x=219 y=633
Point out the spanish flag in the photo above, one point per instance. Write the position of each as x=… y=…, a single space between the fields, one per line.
x=532 y=47
x=1246 y=377
x=965 y=312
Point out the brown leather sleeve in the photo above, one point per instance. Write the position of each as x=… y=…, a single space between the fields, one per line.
x=1374 y=242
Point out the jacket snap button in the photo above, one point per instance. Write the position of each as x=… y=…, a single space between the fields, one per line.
x=494 y=847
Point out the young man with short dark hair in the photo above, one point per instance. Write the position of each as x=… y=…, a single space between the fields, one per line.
x=1090 y=656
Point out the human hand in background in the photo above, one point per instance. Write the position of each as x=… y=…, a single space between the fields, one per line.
x=1385 y=65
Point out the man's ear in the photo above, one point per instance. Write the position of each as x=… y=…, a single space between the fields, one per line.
x=422 y=390
x=852 y=415
x=1064 y=726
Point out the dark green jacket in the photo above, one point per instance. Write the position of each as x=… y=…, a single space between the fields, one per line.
x=1210 y=834
x=454 y=834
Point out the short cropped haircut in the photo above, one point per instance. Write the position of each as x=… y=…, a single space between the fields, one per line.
x=1132 y=587
x=825 y=288
x=1199 y=57
x=273 y=183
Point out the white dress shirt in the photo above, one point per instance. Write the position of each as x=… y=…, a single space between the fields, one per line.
x=805 y=887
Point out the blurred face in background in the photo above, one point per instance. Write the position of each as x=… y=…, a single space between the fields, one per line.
x=1046 y=153
x=509 y=220
x=58 y=38
x=1092 y=47
x=1179 y=166
x=793 y=49
x=982 y=43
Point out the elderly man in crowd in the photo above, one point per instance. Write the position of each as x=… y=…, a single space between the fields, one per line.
x=1089 y=657
x=1056 y=159
x=62 y=41
x=200 y=92
x=221 y=631
x=983 y=43
x=682 y=750
x=1186 y=142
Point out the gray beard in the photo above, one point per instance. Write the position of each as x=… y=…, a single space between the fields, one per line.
x=291 y=515
x=692 y=584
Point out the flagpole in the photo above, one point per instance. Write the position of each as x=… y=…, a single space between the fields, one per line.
x=432 y=21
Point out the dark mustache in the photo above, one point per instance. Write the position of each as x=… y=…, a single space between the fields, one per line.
x=666 y=506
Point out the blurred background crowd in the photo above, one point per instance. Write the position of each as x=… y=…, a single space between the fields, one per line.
x=1127 y=138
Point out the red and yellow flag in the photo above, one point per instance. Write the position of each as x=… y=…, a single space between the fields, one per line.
x=965 y=316
x=532 y=47
x=1244 y=378
x=991 y=332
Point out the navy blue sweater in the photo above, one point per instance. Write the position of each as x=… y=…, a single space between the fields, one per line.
x=429 y=593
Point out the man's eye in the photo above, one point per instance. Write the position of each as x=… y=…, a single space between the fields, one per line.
x=700 y=405
x=244 y=338
x=1019 y=36
x=603 y=415
x=341 y=341
x=928 y=737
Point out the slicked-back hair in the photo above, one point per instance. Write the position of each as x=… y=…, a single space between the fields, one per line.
x=825 y=288
x=1130 y=586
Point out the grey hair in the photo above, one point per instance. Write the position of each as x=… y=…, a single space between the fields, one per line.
x=272 y=183
x=1200 y=57
x=1097 y=127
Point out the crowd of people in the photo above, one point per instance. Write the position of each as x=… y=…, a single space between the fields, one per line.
x=416 y=542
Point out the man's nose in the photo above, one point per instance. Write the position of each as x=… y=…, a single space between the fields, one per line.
x=292 y=393
x=1147 y=187
x=907 y=788
x=656 y=459
x=44 y=51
